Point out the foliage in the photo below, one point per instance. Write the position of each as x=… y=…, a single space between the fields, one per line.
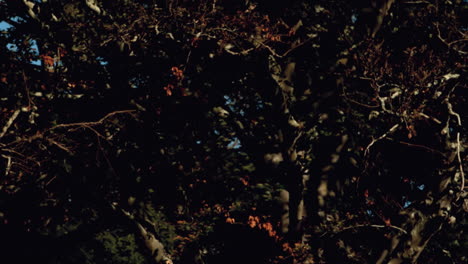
x=119 y=249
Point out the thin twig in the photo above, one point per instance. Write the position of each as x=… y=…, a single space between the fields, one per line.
x=39 y=135
x=25 y=79
x=9 y=122
x=459 y=123
x=8 y=166
x=376 y=226
x=358 y=103
x=49 y=181
x=99 y=122
x=416 y=2
x=391 y=130
x=95 y=131
x=447 y=43
x=430 y=117
x=60 y=146
x=462 y=174
x=419 y=146
x=373 y=226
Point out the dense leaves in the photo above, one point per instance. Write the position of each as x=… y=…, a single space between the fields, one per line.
x=233 y=131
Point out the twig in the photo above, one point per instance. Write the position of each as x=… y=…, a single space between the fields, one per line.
x=296 y=138
x=373 y=226
x=297 y=46
x=243 y=52
x=462 y=174
x=39 y=135
x=274 y=53
x=418 y=146
x=416 y=2
x=8 y=166
x=22 y=156
x=60 y=146
x=95 y=132
x=109 y=163
x=99 y=122
x=447 y=43
x=391 y=130
x=9 y=122
x=49 y=181
x=25 y=79
x=376 y=226
x=459 y=123
x=356 y=102
x=430 y=117
x=450 y=110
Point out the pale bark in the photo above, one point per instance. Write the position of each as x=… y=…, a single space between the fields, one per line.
x=154 y=245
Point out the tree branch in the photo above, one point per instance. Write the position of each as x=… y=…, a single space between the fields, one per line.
x=99 y=122
x=9 y=122
x=155 y=246
x=30 y=5
x=459 y=123
x=390 y=131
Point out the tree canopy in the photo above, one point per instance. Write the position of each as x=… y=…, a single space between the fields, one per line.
x=227 y=131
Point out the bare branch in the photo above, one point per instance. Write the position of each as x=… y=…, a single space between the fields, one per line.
x=449 y=44
x=99 y=122
x=390 y=131
x=416 y=2
x=8 y=165
x=9 y=122
x=459 y=123
x=430 y=117
x=60 y=146
x=421 y=146
x=154 y=245
x=375 y=226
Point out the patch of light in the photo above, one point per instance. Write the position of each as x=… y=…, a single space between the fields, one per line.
x=102 y=61
x=4 y=25
x=229 y=103
x=35 y=51
x=36 y=62
x=17 y=19
x=34 y=47
x=12 y=47
x=234 y=144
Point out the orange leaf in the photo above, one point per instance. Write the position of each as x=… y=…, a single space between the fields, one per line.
x=168 y=88
x=48 y=60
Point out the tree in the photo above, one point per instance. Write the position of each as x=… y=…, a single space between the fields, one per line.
x=186 y=131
